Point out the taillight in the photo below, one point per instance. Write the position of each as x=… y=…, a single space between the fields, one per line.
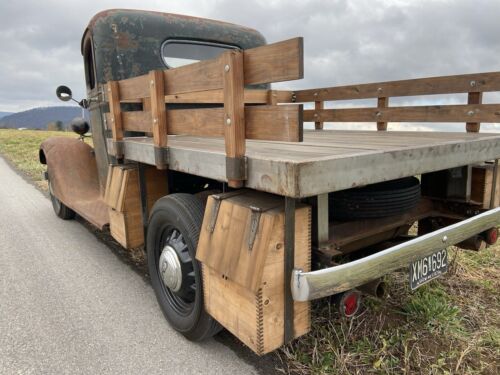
x=348 y=302
x=490 y=236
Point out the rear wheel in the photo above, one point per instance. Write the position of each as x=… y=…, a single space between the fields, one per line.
x=172 y=238
x=61 y=210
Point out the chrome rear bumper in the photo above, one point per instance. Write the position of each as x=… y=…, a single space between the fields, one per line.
x=307 y=286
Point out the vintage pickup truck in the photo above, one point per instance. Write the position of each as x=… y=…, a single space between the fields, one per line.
x=246 y=216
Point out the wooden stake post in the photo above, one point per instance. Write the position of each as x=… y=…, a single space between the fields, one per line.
x=159 y=116
x=234 y=117
x=116 y=117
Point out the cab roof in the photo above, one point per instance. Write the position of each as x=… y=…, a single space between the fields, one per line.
x=127 y=43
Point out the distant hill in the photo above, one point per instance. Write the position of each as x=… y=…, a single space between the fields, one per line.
x=3 y=114
x=38 y=118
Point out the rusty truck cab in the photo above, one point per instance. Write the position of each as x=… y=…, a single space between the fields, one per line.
x=120 y=44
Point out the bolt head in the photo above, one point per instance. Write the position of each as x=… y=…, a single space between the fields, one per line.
x=470 y=113
x=155 y=120
x=445 y=239
x=379 y=89
x=226 y=68
x=472 y=83
x=315 y=94
x=378 y=114
x=228 y=121
x=152 y=83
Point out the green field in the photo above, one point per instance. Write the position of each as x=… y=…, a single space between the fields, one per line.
x=449 y=326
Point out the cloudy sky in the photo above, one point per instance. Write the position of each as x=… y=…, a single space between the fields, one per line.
x=356 y=41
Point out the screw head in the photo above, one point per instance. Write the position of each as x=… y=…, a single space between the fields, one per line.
x=472 y=83
x=378 y=114
x=228 y=121
x=445 y=238
x=152 y=83
x=226 y=68
x=379 y=89
x=315 y=94
x=316 y=115
x=155 y=120
x=470 y=113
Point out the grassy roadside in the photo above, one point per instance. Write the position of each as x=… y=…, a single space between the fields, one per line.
x=449 y=326
x=20 y=147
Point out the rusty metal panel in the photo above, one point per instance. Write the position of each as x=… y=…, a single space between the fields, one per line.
x=127 y=43
x=72 y=170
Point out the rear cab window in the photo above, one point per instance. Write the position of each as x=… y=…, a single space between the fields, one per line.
x=177 y=53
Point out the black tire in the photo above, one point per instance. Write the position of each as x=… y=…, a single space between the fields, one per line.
x=171 y=215
x=61 y=210
x=378 y=200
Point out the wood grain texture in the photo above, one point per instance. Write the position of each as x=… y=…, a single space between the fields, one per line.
x=256 y=317
x=234 y=105
x=251 y=96
x=273 y=123
x=482 y=82
x=158 y=112
x=382 y=103
x=318 y=106
x=437 y=113
x=277 y=62
x=123 y=199
x=474 y=98
x=115 y=110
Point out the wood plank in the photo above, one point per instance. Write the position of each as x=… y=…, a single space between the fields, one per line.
x=158 y=112
x=437 y=113
x=480 y=82
x=134 y=88
x=277 y=62
x=318 y=106
x=234 y=116
x=382 y=102
x=251 y=96
x=255 y=316
x=275 y=123
x=115 y=111
x=474 y=98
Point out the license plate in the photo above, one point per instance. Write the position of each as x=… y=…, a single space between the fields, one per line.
x=425 y=269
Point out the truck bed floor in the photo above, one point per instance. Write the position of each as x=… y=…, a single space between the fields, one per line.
x=327 y=160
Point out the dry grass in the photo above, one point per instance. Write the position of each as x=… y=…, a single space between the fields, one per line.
x=450 y=326
x=20 y=147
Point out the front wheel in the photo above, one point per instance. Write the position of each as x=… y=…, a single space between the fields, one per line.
x=60 y=209
x=172 y=238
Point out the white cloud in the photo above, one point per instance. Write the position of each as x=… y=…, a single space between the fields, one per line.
x=345 y=41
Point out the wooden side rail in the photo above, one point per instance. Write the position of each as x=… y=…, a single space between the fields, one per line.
x=473 y=114
x=218 y=81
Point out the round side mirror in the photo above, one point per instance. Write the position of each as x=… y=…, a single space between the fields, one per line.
x=64 y=93
x=79 y=125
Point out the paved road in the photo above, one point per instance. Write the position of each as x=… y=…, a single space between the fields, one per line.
x=68 y=305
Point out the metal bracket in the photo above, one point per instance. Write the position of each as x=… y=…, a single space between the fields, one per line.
x=218 y=198
x=118 y=149
x=214 y=213
x=236 y=168
x=161 y=157
x=254 y=225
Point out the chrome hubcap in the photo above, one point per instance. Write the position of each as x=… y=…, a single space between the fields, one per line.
x=170 y=269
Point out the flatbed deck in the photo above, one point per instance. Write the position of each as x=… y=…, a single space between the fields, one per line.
x=326 y=161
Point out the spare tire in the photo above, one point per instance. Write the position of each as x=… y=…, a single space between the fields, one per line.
x=375 y=201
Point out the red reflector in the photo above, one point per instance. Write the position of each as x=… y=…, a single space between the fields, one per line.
x=351 y=304
x=491 y=236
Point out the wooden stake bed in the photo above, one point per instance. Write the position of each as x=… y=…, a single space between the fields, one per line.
x=327 y=160
x=253 y=137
